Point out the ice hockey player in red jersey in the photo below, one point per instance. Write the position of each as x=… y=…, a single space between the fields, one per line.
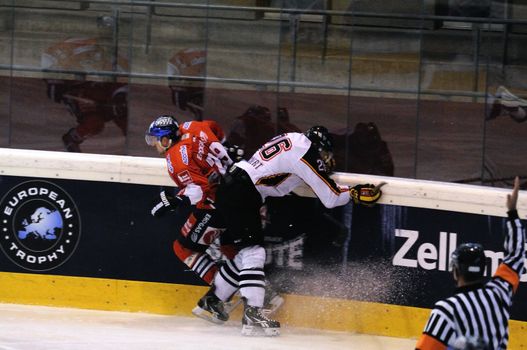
x=276 y=169
x=92 y=103
x=187 y=93
x=196 y=159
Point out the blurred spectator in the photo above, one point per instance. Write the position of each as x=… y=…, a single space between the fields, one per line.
x=92 y=103
x=187 y=93
x=255 y=127
x=363 y=151
x=284 y=122
x=252 y=129
x=506 y=103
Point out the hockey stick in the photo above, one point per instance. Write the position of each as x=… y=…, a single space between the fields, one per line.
x=377 y=188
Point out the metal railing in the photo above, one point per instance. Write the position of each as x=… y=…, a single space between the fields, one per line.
x=120 y=8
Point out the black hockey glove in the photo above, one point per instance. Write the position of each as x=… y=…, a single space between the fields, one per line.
x=366 y=194
x=235 y=152
x=167 y=202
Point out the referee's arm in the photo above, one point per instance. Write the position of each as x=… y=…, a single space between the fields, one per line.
x=513 y=263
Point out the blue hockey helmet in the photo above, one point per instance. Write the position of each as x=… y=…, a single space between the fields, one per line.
x=162 y=126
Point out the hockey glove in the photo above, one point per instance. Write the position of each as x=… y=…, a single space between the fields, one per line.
x=235 y=152
x=167 y=202
x=366 y=194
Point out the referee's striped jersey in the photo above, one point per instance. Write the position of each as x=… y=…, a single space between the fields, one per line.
x=480 y=310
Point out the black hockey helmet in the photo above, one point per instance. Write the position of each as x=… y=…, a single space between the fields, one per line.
x=469 y=260
x=321 y=139
x=162 y=126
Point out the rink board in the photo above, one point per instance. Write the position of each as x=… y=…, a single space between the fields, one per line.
x=117 y=257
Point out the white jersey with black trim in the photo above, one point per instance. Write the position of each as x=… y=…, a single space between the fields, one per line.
x=287 y=161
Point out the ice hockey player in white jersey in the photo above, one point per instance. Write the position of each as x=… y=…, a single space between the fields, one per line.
x=289 y=160
x=277 y=168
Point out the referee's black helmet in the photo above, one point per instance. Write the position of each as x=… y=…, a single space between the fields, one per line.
x=469 y=260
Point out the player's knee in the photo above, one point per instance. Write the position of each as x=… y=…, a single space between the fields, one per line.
x=252 y=257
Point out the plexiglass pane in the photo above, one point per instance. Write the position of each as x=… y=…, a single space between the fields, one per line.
x=404 y=93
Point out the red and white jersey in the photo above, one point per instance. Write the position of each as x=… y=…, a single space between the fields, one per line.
x=209 y=129
x=197 y=160
x=286 y=162
x=213 y=137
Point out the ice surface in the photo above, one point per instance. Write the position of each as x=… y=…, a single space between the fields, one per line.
x=24 y=327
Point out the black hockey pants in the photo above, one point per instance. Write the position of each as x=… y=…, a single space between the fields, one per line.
x=239 y=203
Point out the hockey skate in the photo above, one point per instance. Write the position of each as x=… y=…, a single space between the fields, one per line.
x=506 y=103
x=210 y=308
x=255 y=323
x=232 y=303
x=508 y=99
x=273 y=301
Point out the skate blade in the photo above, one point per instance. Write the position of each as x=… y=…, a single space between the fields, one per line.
x=251 y=331
x=205 y=315
x=273 y=305
x=231 y=305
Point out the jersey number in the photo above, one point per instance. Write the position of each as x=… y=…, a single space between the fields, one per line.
x=274 y=148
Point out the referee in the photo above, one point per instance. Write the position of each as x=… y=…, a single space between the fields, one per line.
x=477 y=316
